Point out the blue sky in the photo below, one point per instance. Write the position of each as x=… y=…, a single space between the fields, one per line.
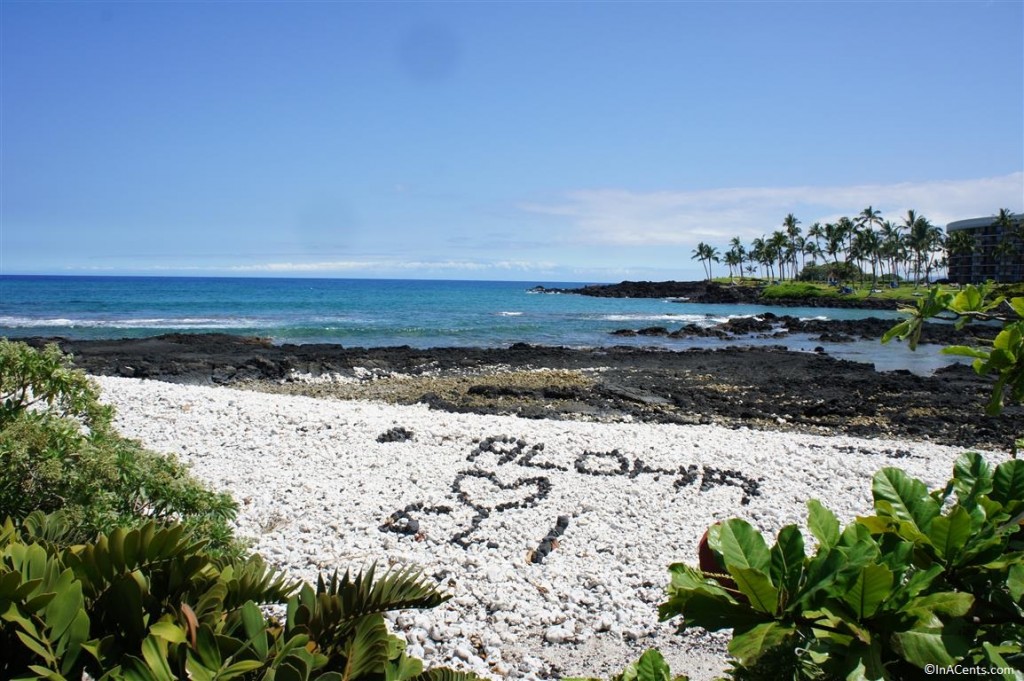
x=527 y=141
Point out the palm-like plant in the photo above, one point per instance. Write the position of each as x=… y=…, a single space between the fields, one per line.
x=1010 y=244
x=777 y=245
x=759 y=253
x=736 y=245
x=833 y=241
x=890 y=250
x=918 y=239
x=150 y=604
x=960 y=243
x=795 y=245
x=733 y=259
x=867 y=245
x=706 y=254
x=846 y=229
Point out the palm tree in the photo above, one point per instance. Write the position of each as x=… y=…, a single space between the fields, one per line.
x=736 y=245
x=732 y=258
x=890 y=250
x=1006 y=249
x=777 y=249
x=960 y=243
x=867 y=244
x=924 y=240
x=846 y=229
x=833 y=240
x=705 y=254
x=916 y=240
x=812 y=249
x=869 y=217
x=816 y=232
x=759 y=253
x=793 y=247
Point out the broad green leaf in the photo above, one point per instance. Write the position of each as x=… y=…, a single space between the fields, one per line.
x=901 y=330
x=41 y=673
x=255 y=628
x=685 y=583
x=713 y=613
x=869 y=590
x=294 y=670
x=908 y=497
x=822 y=523
x=931 y=645
x=1015 y=582
x=821 y=574
x=66 y=604
x=196 y=669
x=953 y=603
x=206 y=646
x=238 y=669
x=1008 y=482
x=972 y=477
x=756 y=586
x=949 y=533
x=155 y=655
x=965 y=351
x=787 y=560
x=652 y=667
x=1018 y=305
x=37 y=647
x=743 y=546
x=996 y=661
x=867 y=664
x=747 y=645
x=169 y=631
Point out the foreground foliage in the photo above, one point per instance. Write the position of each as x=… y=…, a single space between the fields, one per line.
x=931 y=578
x=59 y=451
x=134 y=573
x=1004 y=360
x=148 y=604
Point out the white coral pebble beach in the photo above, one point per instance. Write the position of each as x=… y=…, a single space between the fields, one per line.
x=469 y=499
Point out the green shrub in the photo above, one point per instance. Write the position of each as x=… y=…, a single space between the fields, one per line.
x=932 y=578
x=1005 y=359
x=149 y=604
x=58 y=451
x=797 y=290
x=843 y=271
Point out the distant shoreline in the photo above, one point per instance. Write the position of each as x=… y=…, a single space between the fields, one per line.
x=716 y=293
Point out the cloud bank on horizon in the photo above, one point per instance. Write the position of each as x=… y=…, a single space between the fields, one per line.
x=618 y=217
x=648 y=234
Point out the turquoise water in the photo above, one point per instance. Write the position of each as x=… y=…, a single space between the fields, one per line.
x=365 y=312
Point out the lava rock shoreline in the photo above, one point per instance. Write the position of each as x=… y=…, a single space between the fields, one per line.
x=767 y=388
x=715 y=293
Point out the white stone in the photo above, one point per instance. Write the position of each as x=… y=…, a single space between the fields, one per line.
x=316 y=499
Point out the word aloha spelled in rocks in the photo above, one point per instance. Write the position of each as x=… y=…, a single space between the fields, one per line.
x=535 y=489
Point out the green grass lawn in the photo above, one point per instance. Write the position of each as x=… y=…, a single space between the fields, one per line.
x=804 y=289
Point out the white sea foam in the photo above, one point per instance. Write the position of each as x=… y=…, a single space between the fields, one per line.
x=510 y=314
x=139 y=323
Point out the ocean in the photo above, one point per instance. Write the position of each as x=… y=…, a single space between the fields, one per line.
x=389 y=312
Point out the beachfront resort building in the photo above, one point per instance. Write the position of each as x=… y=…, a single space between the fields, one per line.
x=997 y=253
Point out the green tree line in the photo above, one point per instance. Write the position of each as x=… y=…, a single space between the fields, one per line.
x=910 y=248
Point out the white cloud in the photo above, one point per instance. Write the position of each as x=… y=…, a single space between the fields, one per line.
x=368 y=265
x=620 y=217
